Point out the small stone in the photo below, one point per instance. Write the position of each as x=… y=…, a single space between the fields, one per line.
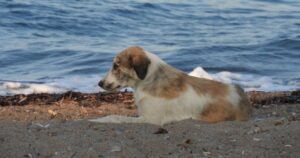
x=167 y=137
x=279 y=122
x=265 y=106
x=256 y=139
x=188 y=141
x=257 y=129
x=206 y=153
x=243 y=152
x=250 y=132
x=161 y=131
x=288 y=145
x=115 y=149
x=28 y=155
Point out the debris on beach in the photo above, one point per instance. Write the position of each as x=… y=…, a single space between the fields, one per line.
x=66 y=106
x=76 y=105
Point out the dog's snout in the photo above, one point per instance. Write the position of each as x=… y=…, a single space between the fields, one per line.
x=101 y=83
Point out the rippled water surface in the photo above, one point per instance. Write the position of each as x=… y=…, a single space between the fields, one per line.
x=61 y=45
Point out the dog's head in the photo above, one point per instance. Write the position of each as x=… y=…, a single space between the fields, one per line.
x=129 y=67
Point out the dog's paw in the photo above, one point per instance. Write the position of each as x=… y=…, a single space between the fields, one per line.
x=108 y=119
x=99 y=120
x=118 y=119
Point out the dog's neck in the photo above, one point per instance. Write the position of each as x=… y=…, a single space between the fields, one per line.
x=162 y=74
x=159 y=73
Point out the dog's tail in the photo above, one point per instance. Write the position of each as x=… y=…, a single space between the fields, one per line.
x=244 y=105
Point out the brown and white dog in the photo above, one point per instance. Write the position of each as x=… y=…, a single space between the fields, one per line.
x=164 y=94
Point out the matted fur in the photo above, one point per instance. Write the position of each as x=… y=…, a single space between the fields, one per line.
x=164 y=94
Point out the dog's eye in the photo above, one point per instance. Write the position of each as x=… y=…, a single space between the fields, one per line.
x=115 y=66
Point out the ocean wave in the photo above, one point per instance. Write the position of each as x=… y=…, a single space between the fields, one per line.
x=11 y=88
x=51 y=85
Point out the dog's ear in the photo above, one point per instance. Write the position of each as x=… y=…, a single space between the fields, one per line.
x=140 y=65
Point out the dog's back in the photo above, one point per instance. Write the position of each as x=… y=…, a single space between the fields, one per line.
x=215 y=101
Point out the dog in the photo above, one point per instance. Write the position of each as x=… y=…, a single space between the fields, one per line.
x=164 y=94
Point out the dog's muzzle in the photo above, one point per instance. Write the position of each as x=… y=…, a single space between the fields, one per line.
x=101 y=83
x=108 y=86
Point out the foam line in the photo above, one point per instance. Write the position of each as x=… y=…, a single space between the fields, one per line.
x=88 y=84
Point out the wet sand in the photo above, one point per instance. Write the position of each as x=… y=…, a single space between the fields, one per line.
x=55 y=125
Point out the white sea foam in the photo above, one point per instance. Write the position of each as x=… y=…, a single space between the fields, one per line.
x=248 y=81
x=8 y=88
x=60 y=85
x=12 y=85
x=89 y=83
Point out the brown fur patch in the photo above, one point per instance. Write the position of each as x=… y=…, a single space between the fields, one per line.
x=166 y=83
x=222 y=110
x=204 y=86
x=123 y=58
x=134 y=58
x=173 y=89
x=244 y=105
x=218 y=111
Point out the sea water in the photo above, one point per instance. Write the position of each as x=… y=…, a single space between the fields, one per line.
x=54 y=45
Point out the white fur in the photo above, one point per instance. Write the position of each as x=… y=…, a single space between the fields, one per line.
x=233 y=97
x=110 y=77
x=159 y=111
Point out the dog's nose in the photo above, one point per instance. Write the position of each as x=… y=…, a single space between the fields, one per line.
x=101 y=83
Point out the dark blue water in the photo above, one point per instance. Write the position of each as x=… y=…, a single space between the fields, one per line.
x=70 y=44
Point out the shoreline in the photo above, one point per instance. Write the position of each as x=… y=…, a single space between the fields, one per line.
x=75 y=105
x=256 y=97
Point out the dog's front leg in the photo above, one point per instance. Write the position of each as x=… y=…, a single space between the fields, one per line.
x=118 y=119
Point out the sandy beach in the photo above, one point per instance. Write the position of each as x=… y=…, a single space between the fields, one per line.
x=55 y=125
x=54 y=53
